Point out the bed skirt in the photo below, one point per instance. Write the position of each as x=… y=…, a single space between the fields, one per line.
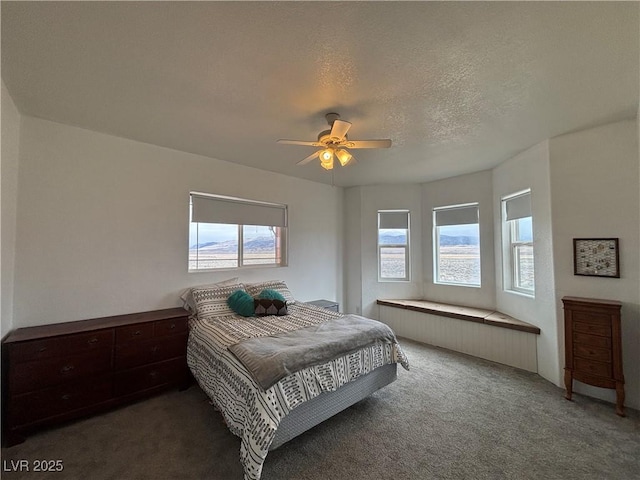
x=327 y=404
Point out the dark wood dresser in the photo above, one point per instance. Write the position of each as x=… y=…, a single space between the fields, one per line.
x=53 y=373
x=593 y=347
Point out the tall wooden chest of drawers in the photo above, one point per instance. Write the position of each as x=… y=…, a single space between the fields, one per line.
x=59 y=372
x=593 y=347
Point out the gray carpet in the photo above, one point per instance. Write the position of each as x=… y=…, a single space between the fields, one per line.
x=451 y=417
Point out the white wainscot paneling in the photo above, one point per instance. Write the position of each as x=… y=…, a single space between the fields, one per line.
x=502 y=345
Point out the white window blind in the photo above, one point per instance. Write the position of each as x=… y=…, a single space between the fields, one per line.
x=518 y=206
x=457 y=215
x=220 y=209
x=393 y=219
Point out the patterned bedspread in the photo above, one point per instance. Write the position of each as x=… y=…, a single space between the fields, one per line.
x=250 y=412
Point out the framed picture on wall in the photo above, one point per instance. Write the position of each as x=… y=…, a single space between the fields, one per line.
x=596 y=257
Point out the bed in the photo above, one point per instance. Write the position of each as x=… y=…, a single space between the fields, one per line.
x=266 y=413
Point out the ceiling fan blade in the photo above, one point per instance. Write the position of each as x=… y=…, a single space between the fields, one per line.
x=369 y=143
x=304 y=161
x=339 y=129
x=298 y=142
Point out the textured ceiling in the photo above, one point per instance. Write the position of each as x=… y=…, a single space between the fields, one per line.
x=458 y=87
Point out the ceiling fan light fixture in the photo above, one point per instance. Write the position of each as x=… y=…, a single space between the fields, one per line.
x=327 y=165
x=326 y=158
x=344 y=157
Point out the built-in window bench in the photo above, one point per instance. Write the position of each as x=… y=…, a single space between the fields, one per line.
x=475 y=331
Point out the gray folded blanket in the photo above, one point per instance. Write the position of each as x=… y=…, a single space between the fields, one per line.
x=270 y=359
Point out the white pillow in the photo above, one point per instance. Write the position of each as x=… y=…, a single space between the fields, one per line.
x=189 y=304
x=279 y=286
x=212 y=301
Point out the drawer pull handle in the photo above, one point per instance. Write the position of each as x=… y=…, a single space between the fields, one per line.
x=137 y=333
x=42 y=349
x=155 y=349
x=66 y=369
x=173 y=325
x=65 y=397
x=93 y=340
x=153 y=374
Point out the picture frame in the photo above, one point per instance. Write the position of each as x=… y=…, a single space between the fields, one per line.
x=596 y=257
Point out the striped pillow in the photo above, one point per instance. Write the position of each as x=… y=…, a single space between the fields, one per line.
x=187 y=297
x=212 y=301
x=254 y=289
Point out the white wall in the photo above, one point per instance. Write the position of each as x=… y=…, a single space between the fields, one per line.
x=103 y=225
x=475 y=187
x=8 y=201
x=530 y=169
x=362 y=221
x=596 y=193
x=352 y=250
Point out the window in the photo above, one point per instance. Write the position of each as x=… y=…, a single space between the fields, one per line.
x=393 y=245
x=227 y=232
x=456 y=245
x=518 y=243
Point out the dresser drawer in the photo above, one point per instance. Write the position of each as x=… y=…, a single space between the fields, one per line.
x=172 y=326
x=35 y=406
x=134 y=333
x=59 y=346
x=594 y=340
x=591 y=317
x=592 y=353
x=592 y=329
x=150 y=376
x=591 y=367
x=29 y=376
x=134 y=354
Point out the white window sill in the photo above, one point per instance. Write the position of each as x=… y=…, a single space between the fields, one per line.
x=521 y=294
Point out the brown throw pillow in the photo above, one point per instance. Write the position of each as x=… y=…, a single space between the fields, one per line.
x=268 y=306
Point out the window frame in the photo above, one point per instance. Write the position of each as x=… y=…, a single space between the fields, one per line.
x=516 y=268
x=281 y=238
x=406 y=247
x=511 y=244
x=436 y=245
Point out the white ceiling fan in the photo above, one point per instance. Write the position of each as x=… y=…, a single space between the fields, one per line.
x=334 y=143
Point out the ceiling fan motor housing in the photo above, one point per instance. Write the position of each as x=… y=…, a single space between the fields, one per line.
x=331 y=117
x=325 y=138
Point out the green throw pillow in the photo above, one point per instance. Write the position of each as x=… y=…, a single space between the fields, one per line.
x=241 y=303
x=271 y=295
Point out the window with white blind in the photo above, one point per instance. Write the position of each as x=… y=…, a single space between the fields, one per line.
x=517 y=234
x=456 y=245
x=393 y=245
x=228 y=232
